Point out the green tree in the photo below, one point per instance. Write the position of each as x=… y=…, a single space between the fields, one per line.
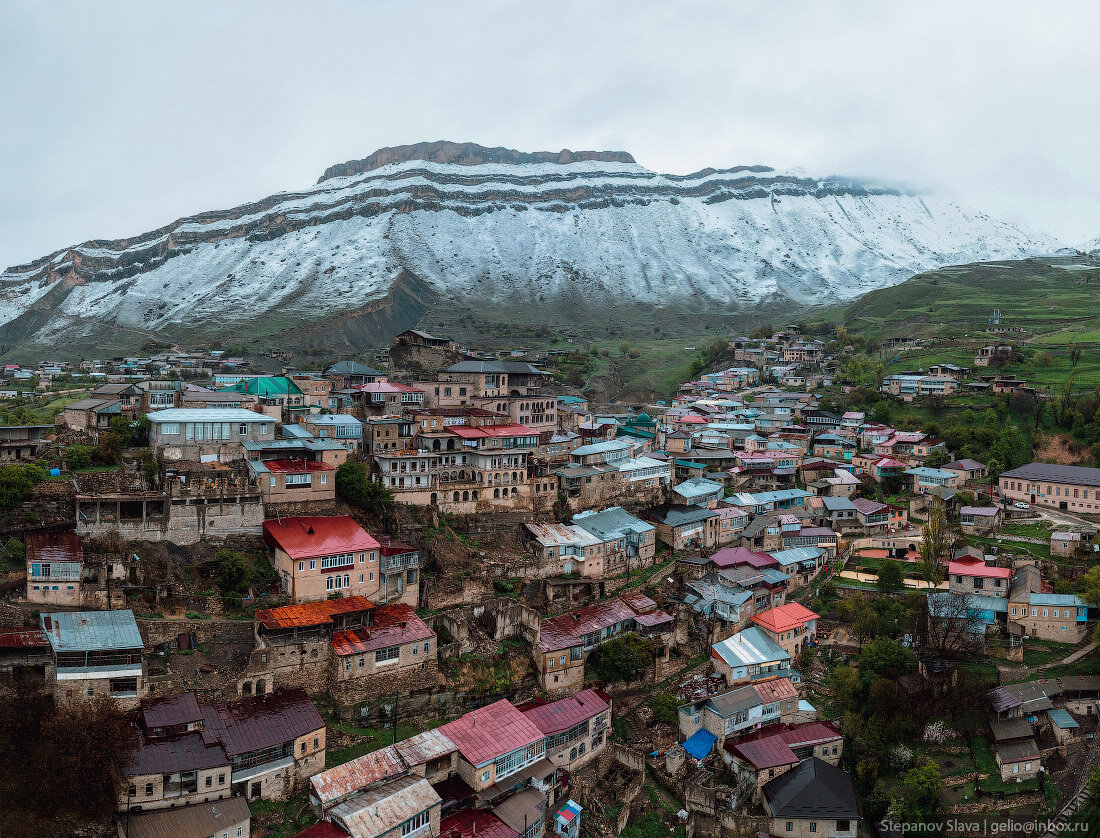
x=846 y=687
x=917 y=796
x=883 y=657
x=625 y=658
x=665 y=709
x=16 y=483
x=933 y=543
x=889 y=576
x=354 y=485
x=234 y=573
x=109 y=449
x=78 y=456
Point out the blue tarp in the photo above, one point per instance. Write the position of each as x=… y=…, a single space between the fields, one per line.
x=700 y=743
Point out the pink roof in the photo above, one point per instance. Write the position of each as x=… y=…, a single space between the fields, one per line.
x=309 y=536
x=691 y=420
x=889 y=462
x=973 y=566
x=490 y=732
x=769 y=750
x=784 y=617
x=474 y=823
x=394 y=625
x=559 y=716
x=733 y=556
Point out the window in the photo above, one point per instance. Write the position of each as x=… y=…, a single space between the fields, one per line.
x=362 y=556
x=312 y=564
x=347 y=666
x=324 y=479
x=304 y=744
x=843 y=826
x=209 y=781
x=302 y=567
x=298 y=479
x=813 y=826
x=172 y=428
x=362 y=662
x=550 y=664
x=242 y=430
x=221 y=779
x=316 y=740
x=328 y=583
x=389 y=654
x=148 y=789
x=360 y=577
x=484 y=776
x=790 y=826
x=339 y=560
x=415 y=650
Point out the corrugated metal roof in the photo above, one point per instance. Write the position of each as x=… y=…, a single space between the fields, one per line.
x=394 y=625
x=194 y=821
x=311 y=613
x=560 y=715
x=749 y=646
x=425 y=746
x=784 y=617
x=90 y=631
x=491 y=732
x=1052 y=473
x=169 y=711
x=357 y=774
x=381 y=809
x=1062 y=719
x=190 y=752
x=23 y=639
x=304 y=537
x=612 y=523
x=54 y=547
x=261 y=721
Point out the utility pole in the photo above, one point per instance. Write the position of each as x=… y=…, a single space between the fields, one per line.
x=395 y=698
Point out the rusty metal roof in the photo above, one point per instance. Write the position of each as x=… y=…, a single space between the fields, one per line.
x=357 y=774
x=492 y=731
x=23 y=639
x=381 y=809
x=424 y=747
x=212 y=818
x=311 y=613
x=54 y=547
x=394 y=625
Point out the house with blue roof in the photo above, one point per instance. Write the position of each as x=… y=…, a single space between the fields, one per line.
x=700 y=491
x=931 y=481
x=96 y=653
x=763 y=502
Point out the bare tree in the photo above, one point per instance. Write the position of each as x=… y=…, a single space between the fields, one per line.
x=947 y=627
x=934 y=542
x=1063 y=401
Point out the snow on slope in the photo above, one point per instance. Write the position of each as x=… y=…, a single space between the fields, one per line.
x=514 y=233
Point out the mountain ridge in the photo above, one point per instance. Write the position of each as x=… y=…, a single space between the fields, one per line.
x=561 y=239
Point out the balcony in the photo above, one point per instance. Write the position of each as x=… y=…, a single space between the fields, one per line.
x=395 y=564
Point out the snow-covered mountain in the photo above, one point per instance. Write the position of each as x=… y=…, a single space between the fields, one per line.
x=380 y=242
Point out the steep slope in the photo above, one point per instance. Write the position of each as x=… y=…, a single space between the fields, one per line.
x=543 y=237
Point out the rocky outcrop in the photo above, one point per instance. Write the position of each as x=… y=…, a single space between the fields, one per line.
x=466 y=154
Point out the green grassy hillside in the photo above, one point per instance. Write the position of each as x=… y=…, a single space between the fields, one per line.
x=1048 y=308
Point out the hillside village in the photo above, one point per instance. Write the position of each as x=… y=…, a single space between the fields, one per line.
x=440 y=592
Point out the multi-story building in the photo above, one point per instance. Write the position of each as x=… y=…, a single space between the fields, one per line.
x=909 y=387
x=262 y=747
x=339 y=427
x=576 y=727
x=1046 y=484
x=186 y=434
x=749 y=656
x=742 y=709
x=792 y=626
x=96 y=653
x=317 y=556
x=970 y=574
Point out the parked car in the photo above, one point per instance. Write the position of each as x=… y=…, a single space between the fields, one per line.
x=1021 y=505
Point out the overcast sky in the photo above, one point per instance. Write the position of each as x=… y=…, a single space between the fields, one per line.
x=116 y=118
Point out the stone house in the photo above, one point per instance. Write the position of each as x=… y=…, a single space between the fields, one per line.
x=91 y=415
x=564 y=642
x=795 y=802
x=1058 y=617
x=792 y=626
x=96 y=653
x=980 y=520
x=576 y=727
x=263 y=747
x=684 y=527
x=345 y=646
x=735 y=712
x=305 y=483
x=749 y=656
x=187 y=434
x=339 y=427
x=317 y=556
x=223 y=819
x=1074 y=488
x=1018 y=760
x=969 y=574
x=22 y=442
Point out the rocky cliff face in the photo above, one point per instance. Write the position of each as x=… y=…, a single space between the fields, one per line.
x=380 y=242
x=466 y=154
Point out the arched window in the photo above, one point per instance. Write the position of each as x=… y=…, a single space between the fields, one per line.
x=473 y=494
x=261 y=687
x=515 y=491
x=465 y=495
x=435 y=499
x=246 y=688
x=435 y=444
x=456 y=496
x=496 y=493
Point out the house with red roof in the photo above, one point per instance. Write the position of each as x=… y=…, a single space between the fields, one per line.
x=768 y=753
x=793 y=626
x=346 y=646
x=576 y=727
x=317 y=556
x=565 y=641
x=970 y=574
